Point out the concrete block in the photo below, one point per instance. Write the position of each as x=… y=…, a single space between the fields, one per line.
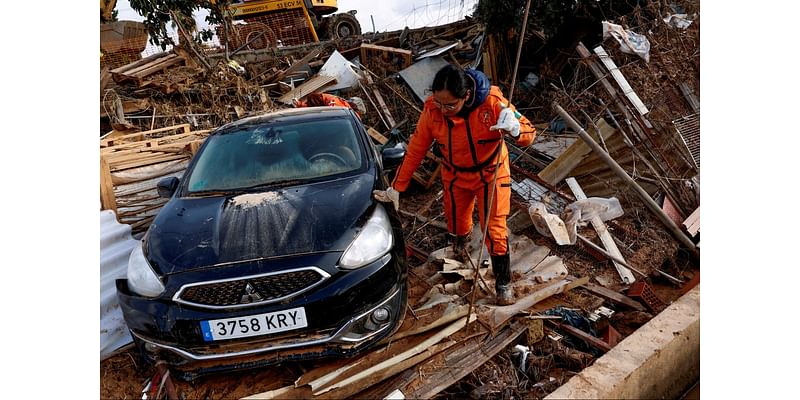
x=660 y=360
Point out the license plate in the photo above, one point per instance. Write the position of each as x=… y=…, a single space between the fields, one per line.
x=254 y=325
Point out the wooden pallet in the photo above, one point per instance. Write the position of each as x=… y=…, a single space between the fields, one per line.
x=132 y=164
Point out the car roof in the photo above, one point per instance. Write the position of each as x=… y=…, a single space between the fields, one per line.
x=290 y=115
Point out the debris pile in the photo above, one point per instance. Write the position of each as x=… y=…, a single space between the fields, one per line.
x=575 y=299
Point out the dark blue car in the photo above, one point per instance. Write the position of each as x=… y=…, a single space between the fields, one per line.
x=270 y=248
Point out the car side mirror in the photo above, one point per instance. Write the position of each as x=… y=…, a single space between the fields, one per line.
x=392 y=157
x=167 y=186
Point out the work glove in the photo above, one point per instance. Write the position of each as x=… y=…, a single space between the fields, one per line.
x=388 y=195
x=508 y=122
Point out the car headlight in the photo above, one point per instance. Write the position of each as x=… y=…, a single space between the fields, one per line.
x=374 y=240
x=141 y=278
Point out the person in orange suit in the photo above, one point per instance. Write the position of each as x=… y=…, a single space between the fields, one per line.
x=324 y=99
x=467 y=117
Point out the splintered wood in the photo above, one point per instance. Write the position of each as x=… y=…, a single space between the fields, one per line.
x=438 y=343
x=132 y=164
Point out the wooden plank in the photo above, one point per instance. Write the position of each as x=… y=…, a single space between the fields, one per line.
x=155 y=63
x=455 y=369
x=377 y=136
x=386 y=364
x=405 y=54
x=159 y=67
x=689 y=96
x=605 y=235
x=107 y=199
x=392 y=370
x=611 y=295
x=573 y=156
x=382 y=103
x=142 y=163
x=150 y=145
x=141 y=210
x=296 y=65
x=141 y=135
x=317 y=83
x=135 y=64
x=589 y=339
x=498 y=316
x=621 y=81
x=692 y=223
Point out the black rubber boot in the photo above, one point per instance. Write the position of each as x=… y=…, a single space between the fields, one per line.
x=501 y=266
x=460 y=251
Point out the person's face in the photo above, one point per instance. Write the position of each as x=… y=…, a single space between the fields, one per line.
x=449 y=104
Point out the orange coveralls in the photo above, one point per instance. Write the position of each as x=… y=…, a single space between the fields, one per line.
x=470 y=153
x=332 y=101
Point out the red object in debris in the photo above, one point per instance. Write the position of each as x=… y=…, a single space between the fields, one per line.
x=610 y=335
x=691 y=284
x=641 y=291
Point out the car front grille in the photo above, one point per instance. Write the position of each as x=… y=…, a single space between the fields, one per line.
x=246 y=291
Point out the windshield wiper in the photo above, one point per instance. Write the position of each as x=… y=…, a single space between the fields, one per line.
x=286 y=182
x=210 y=193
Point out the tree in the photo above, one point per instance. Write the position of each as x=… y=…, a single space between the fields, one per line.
x=180 y=12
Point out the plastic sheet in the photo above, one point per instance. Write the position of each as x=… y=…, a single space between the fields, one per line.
x=629 y=42
x=582 y=211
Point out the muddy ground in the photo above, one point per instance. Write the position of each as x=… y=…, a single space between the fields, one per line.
x=647 y=247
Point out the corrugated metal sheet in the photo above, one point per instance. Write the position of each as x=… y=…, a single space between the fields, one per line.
x=419 y=76
x=528 y=189
x=116 y=244
x=689 y=129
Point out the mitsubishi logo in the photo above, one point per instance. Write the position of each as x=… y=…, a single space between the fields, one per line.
x=250 y=294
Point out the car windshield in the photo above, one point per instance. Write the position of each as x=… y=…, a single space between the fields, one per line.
x=271 y=153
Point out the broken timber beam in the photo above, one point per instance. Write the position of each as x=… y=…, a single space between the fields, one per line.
x=457 y=368
x=589 y=339
x=382 y=103
x=387 y=364
x=367 y=48
x=498 y=316
x=107 y=199
x=605 y=235
x=648 y=201
x=561 y=167
x=611 y=295
x=627 y=90
x=609 y=255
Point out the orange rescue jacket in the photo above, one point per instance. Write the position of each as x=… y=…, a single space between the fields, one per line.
x=468 y=147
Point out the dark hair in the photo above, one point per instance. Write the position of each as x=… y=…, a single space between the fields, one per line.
x=453 y=78
x=315 y=100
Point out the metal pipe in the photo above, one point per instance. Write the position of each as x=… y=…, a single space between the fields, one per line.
x=648 y=201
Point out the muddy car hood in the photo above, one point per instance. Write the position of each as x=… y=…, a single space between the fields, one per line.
x=196 y=232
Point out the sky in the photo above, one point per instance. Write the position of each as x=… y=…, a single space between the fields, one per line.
x=388 y=15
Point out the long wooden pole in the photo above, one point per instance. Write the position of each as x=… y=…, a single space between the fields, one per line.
x=648 y=201
x=519 y=52
x=489 y=207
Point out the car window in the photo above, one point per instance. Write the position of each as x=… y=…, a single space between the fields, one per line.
x=275 y=152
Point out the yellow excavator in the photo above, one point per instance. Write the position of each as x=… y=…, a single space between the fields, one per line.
x=260 y=24
x=271 y=23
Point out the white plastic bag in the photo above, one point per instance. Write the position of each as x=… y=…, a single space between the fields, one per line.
x=629 y=42
x=582 y=211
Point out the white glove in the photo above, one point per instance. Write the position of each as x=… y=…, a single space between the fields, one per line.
x=388 y=195
x=507 y=122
